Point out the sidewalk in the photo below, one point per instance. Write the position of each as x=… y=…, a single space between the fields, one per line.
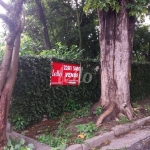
x=134 y=132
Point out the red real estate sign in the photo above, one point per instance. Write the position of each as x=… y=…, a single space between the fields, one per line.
x=65 y=74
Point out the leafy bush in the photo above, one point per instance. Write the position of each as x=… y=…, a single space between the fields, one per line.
x=71 y=105
x=98 y=111
x=15 y=144
x=19 y=121
x=61 y=51
x=83 y=112
x=140 y=82
x=87 y=129
x=54 y=142
x=33 y=97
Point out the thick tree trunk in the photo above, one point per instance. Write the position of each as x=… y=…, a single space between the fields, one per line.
x=116 y=40
x=7 y=91
x=9 y=66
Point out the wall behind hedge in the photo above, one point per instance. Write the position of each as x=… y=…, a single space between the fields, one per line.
x=33 y=97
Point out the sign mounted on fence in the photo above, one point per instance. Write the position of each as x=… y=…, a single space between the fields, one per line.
x=65 y=74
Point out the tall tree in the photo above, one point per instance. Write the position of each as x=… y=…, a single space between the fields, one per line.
x=43 y=21
x=117 y=23
x=66 y=22
x=9 y=65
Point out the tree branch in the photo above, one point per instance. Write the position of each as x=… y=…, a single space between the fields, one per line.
x=18 y=6
x=4 y=5
x=7 y=20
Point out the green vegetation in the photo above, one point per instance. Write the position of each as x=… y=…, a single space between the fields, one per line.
x=147 y=107
x=54 y=142
x=123 y=120
x=60 y=138
x=98 y=111
x=15 y=144
x=83 y=112
x=33 y=97
x=87 y=129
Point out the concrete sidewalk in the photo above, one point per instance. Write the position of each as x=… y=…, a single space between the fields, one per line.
x=116 y=142
x=129 y=139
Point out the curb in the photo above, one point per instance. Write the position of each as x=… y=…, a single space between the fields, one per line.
x=93 y=142
x=115 y=131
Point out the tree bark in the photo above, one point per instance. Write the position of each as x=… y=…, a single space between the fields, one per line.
x=9 y=66
x=45 y=29
x=79 y=25
x=7 y=91
x=116 y=41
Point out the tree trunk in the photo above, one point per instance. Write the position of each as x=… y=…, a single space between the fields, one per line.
x=7 y=91
x=148 y=56
x=79 y=25
x=43 y=21
x=9 y=66
x=116 y=41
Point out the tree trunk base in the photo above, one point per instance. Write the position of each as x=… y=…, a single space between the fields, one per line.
x=112 y=109
x=113 y=112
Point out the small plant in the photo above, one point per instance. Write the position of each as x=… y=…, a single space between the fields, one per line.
x=47 y=130
x=123 y=120
x=147 y=107
x=87 y=129
x=71 y=105
x=19 y=122
x=65 y=119
x=84 y=112
x=54 y=142
x=78 y=141
x=98 y=111
x=58 y=140
x=15 y=144
x=61 y=132
x=135 y=104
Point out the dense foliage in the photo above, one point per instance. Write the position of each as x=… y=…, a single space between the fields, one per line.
x=33 y=97
x=141 y=45
x=140 y=83
x=66 y=22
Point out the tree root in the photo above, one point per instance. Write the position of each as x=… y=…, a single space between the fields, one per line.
x=108 y=111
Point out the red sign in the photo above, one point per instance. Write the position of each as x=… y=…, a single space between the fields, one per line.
x=65 y=74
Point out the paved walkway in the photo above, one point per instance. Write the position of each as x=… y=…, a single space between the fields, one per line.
x=133 y=132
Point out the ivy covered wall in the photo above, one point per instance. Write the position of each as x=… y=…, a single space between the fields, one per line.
x=33 y=97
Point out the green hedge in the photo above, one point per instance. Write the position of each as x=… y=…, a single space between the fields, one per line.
x=33 y=97
x=140 y=83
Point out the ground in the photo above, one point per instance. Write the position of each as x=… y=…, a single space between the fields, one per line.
x=67 y=123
